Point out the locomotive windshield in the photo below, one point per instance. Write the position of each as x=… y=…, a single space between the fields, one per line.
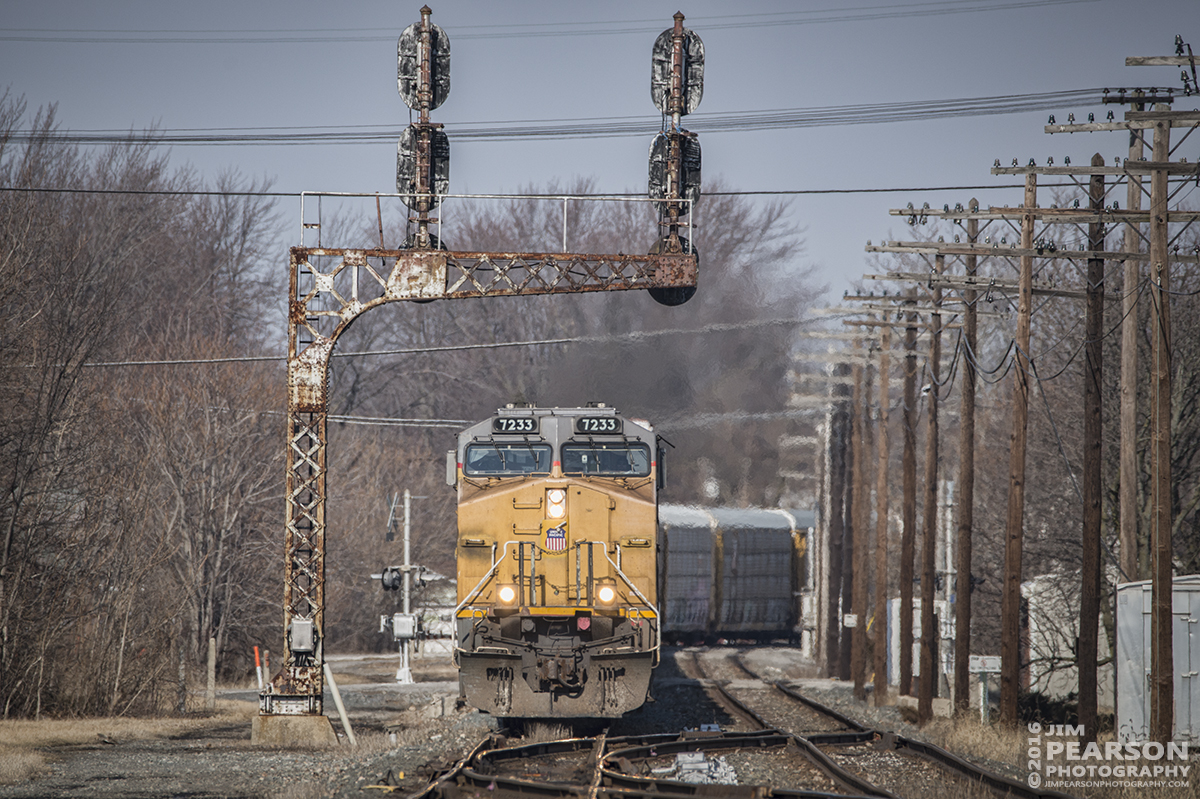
x=616 y=459
x=507 y=459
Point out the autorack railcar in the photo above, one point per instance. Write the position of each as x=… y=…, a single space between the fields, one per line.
x=732 y=573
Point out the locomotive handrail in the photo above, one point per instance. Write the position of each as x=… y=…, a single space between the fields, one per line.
x=474 y=592
x=628 y=581
x=648 y=603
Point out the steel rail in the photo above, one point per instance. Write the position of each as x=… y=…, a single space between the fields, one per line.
x=830 y=767
x=725 y=792
x=464 y=780
x=598 y=764
x=613 y=760
x=997 y=783
x=732 y=703
x=763 y=739
x=737 y=661
x=469 y=784
x=841 y=718
x=438 y=783
x=524 y=751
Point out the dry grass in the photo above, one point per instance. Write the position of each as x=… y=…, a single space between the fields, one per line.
x=379 y=743
x=413 y=735
x=18 y=765
x=969 y=738
x=544 y=732
x=21 y=741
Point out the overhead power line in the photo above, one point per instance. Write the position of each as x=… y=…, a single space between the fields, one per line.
x=633 y=337
x=777 y=192
x=521 y=30
x=379 y=421
x=592 y=127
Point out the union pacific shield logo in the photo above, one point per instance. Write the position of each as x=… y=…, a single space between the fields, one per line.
x=556 y=539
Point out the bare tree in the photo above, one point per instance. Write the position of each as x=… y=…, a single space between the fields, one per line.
x=95 y=250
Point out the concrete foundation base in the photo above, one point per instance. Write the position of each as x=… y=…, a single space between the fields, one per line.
x=292 y=731
x=941 y=706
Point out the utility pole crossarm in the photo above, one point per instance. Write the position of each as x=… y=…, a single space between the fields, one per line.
x=898 y=304
x=1157 y=61
x=837 y=335
x=1134 y=120
x=923 y=328
x=956 y=281
x=1186 y=118
x=1007 y=251
x=1049 y=215
x=841 y=356
x=961 y=283
x=1133 y=124
x=1127 y=167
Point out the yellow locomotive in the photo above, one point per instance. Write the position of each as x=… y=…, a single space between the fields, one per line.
x=557 y=610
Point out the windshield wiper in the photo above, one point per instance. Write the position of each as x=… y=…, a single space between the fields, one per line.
x=533 y=453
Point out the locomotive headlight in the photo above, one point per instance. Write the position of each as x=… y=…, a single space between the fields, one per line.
x=606 y=594
x=507 y=594
x=556 y=503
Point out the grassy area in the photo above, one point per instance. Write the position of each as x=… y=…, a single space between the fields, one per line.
x=26 y=747
x=969 y=738
x=23 y=743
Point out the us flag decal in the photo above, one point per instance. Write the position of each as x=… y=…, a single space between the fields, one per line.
x=556 y=539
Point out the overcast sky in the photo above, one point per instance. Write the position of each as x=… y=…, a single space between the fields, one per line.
x=273 y=64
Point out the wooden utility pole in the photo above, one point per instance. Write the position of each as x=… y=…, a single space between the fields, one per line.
x=850 y=525
x=1089 y=604
x=1010 y=600
x=880 y=638
x=1162 y=688
x=1129 y=369
x=909 y=508
x=819 y=548
x=1160 y=519
x=929 y=632
x=862 y=517
x=966 y=486
x=881 y=524
x=836 y=524
x=1133 y=557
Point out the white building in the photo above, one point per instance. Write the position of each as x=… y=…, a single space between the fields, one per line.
x=1133 y=659
x=1053 y=602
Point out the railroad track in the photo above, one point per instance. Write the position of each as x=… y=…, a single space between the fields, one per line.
x=633 y=767
x=833 y=756
x=887 y=762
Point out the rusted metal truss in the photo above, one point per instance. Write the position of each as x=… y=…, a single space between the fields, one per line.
x=330 y=288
